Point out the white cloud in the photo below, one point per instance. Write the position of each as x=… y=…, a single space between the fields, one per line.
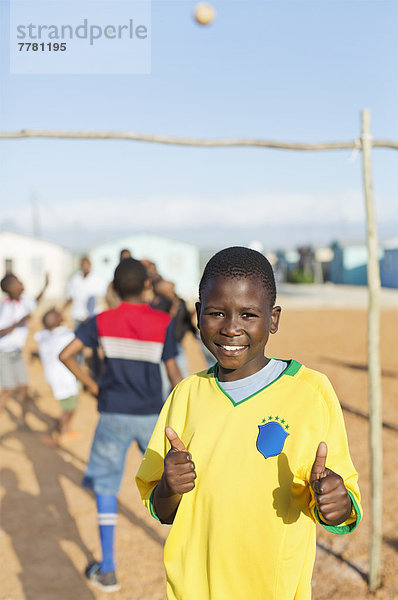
x=190 y=211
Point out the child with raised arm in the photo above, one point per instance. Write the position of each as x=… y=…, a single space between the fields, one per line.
x=134 y=338
x=15 y=311
x=248 y=455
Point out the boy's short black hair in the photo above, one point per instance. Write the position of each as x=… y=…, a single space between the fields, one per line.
x=239 y=262
x=6 y=280
x=129 y=278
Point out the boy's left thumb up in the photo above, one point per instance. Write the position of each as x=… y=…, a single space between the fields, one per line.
x=318 y=468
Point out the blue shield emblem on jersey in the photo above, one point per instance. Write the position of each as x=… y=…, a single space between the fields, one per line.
x=271 y=438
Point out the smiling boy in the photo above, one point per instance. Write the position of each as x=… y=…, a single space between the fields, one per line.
x=247 y=456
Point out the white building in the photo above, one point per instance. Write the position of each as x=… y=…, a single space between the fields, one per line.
x=175 y=261
x=31 y=258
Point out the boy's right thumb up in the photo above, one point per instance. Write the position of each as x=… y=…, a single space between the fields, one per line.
x=176 y=443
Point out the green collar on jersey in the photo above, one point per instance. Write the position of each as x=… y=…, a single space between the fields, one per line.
x=293 y=366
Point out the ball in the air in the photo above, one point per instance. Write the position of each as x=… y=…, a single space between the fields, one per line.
x=204 y=13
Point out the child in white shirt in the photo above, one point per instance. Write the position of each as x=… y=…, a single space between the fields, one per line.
x=14 y=313
x=51 y=341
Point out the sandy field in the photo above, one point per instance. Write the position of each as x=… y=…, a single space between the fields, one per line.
x=48 y=521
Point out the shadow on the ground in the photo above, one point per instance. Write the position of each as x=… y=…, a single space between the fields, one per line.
x=343 y=560
x=392 y=542
x=122 y=508
x=364 y=415
x=350 y=409
x=357 y=366
x=37 y=524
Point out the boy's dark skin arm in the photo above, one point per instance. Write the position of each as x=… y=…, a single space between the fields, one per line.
x=11 y=328
x=68 y=357
x=331 y=496
x=173 y=372
x=178 y=478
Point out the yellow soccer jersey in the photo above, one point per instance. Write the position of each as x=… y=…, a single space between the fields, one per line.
x=247 y=530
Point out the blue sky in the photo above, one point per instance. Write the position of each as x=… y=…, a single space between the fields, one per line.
x=294 y=71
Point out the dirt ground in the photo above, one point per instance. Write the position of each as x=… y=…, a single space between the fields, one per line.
x=49 y=529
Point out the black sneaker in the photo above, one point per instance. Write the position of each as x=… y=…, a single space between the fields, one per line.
x=105 y=582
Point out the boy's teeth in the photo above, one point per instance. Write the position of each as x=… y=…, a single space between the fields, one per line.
x=233 y=347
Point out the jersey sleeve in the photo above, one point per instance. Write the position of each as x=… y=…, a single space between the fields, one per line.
x=339 y=461
x=29 y=305
x=67 y=337
x=170 y=349
x=87 y=333
x=150 y=472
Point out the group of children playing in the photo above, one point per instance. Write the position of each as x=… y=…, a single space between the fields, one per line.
x=15 y=312
x=244 y=457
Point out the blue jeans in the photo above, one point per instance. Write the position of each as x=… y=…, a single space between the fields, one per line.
x=113 y=437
